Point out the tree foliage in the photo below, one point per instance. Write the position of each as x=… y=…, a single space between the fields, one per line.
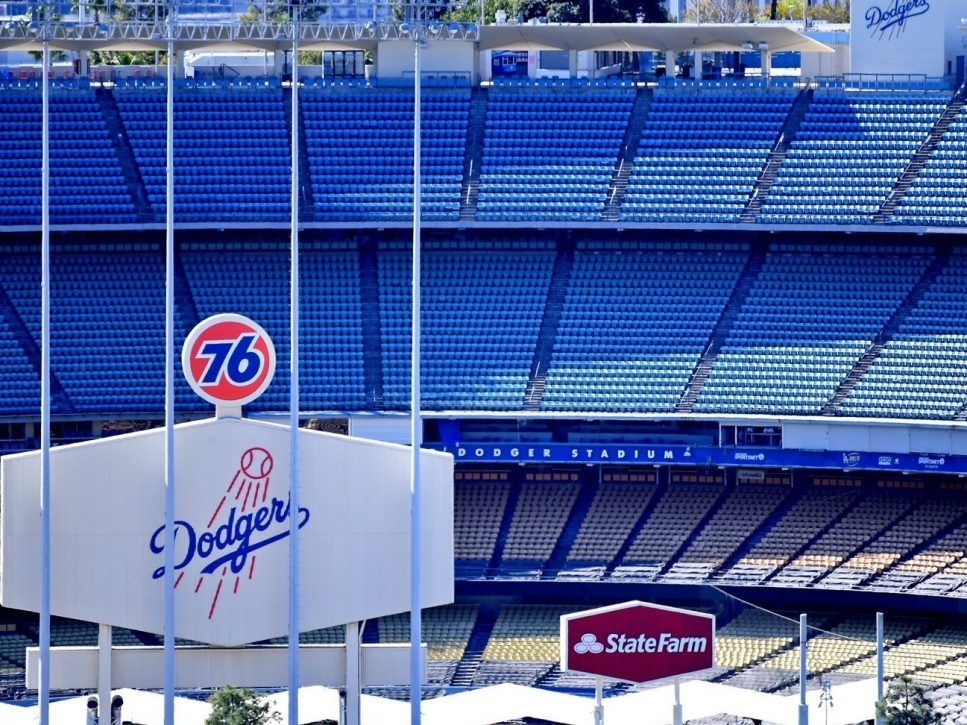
x=721 y=11
x=279 y=12
x=239 y=706
x=906 y=704
x=565 y=11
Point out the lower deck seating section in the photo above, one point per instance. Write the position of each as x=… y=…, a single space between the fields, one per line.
x=873 y=513
x=920 y=524
x=674 y=518
x=847 y=155
x=445 y=628
x=549 y=153
x=480 y=498
x=611 y=517
x=934 y=569
x=86 y=182
x=701 y=153
x=751 y=636
x=231 y=152
x=810 y=315
x=936 y=196
x=360 y=149
x=106 y=321
x=543 y=506
x=733 y=521
x=635 y=322
x=816 y=508
x=482 y=311
x=833 y=648
x=922 y=371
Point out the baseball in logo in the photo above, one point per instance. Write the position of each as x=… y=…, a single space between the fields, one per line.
x=228 y=360
x=245 y=519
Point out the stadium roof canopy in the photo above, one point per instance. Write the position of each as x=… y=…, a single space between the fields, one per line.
x=226 y=34
x=647 y=36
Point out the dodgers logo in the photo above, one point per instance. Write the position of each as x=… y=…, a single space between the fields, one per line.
x=891 y=20
x=228 y=360
x=246 y=519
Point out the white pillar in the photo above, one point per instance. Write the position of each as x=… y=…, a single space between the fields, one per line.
x=670 y=69
x=353 y=638
x=572 y=64
x=104 y=674
x=766 y=64
x=677 y=706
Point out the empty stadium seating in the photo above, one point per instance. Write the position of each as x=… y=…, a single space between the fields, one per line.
x=847 y=155
x=549 y=153
x=87 y=185
x=231 y=152
x=360 y=152
x=701 y=153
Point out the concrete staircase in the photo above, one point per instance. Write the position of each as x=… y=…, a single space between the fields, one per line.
x=629 y=147
x=474 y=158
x=872 y=352
x=913 y=169
x=729 y=313
x=778 y=154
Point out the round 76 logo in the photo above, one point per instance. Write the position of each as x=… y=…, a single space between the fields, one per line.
x=228 y=359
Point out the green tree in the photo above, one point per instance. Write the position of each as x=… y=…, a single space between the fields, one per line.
x=906 y=704
x=566 y=11
x=239 y=706
x=278 y=12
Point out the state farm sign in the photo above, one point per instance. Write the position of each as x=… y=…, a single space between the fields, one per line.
x=637 y=642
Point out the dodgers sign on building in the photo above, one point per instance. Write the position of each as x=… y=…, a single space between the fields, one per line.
x=903 y=37
x=232 y=517
x=637 y=642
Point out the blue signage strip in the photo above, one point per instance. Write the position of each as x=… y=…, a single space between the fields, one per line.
x=671 y=455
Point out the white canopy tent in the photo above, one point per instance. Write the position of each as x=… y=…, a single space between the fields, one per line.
x=852 y=702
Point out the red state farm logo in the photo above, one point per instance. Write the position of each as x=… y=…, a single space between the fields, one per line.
x=637 y=642
x=228 y=360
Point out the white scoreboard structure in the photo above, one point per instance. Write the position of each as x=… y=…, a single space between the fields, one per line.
x=232 y=531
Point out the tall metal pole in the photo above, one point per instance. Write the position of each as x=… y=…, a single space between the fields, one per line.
x=416 y=420
x=879 y=663
x=169 y=580
x=294 y=384
x=44 y=660
x=803 y=709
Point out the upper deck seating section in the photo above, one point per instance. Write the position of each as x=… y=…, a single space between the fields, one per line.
x=360 y=147
x=231 y=151
x=86 y=182
x=847 y=155
x=937 y=194
x=482 y=314
x=807 y=320
x=549 y=153
x=635 y=323
x=701 y=153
